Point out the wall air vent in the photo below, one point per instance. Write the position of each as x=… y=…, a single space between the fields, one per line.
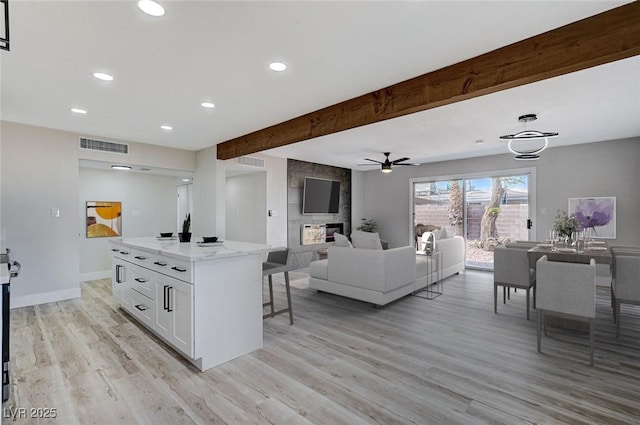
x=251 y=162
x=104 y=146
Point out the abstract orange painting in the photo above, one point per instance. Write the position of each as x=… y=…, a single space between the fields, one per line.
x=104 y=219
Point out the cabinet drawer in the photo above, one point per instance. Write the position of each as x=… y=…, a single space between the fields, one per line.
x=172 y=267
x=142 y=308
x=142 y=281
x=142 y=258
x=122 y=252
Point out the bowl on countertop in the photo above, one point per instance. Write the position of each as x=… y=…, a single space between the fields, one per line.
x=209 y=239
x=166 y=235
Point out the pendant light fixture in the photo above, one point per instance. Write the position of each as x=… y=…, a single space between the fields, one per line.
x=521 y=145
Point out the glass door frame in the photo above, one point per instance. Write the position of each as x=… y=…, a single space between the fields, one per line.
x=476 y=175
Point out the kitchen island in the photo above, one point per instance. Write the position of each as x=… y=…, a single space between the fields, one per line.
x=204 y=300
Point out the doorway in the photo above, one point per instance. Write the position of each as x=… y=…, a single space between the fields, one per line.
x=486 y=209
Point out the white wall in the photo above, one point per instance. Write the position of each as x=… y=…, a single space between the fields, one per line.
x=206 y=195
x=246 y=206
x=148 y=207
x=358 y=211
x=40 y=171
x=276 y=196
x=594 y=169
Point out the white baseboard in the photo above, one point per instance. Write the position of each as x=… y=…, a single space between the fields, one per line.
x=45 y=297
x=95 y=275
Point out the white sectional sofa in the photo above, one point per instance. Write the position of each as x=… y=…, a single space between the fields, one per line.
x=381 y=276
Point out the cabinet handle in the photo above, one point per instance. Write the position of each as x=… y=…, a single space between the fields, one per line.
x=139 y=257
x=165 y=304
x=169 y=291
x=118 y=278
x=140 y=307
x=140 y=280
x=115 y=249
x=124 y=253
x=159 y=263
x=178 y=269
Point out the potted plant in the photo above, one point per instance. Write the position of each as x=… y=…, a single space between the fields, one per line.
x=368 y=226
x=185 y=236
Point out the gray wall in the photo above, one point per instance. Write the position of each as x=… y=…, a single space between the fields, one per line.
x=301 y=255
x=246 y=203
x=594 y=169
x=149 y=206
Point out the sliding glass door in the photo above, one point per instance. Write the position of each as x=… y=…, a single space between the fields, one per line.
x=487 y=210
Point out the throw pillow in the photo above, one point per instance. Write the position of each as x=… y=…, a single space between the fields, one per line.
x=366 y=240
x=439 y=234
x=341 y=240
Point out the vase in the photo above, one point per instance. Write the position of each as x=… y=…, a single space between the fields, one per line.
x=184 y=237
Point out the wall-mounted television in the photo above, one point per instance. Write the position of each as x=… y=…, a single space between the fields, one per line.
x=320 y=196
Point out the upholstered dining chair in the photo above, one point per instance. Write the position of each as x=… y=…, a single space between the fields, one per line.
x=626 y=281
x=511 y=270
x=566 y=290
x=277 y=263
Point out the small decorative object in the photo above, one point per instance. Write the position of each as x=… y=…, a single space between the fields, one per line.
x=368 y=226
x=596 y=215
x=185 y=236
x=209 y=239
x=565 y=225
x=104 y=219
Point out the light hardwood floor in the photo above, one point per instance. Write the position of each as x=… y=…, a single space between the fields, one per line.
x=445 y=361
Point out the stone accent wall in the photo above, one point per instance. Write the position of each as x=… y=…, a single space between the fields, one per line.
x=301 y=255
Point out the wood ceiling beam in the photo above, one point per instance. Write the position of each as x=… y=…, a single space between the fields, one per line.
x=603 y=38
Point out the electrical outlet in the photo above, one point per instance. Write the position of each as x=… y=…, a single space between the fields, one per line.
x=543 y=211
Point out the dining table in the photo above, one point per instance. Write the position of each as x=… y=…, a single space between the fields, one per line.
x=598 y=250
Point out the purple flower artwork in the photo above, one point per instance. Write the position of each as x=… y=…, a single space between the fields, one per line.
x=597 y=214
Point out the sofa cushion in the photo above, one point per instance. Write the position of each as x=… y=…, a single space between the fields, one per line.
x=342 y=240
x=366 y=240
x=318 y=269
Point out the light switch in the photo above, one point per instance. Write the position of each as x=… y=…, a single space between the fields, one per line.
x=135 y=213
x=543 y=211
x=55 y=212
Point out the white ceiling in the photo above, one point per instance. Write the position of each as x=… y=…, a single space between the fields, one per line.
x=219 y=51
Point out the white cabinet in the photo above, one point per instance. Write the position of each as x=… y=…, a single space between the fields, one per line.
x=120 y=283
x=174 y=313
x=206 y=306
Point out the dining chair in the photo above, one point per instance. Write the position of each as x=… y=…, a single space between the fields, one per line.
x=511 y=270
x=626 y=281
x=566 y=290
x=277 y=263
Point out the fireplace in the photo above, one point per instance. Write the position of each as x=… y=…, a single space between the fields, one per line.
x=333 y=228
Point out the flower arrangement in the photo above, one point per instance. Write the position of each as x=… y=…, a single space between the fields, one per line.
x=368 y=226
x=564 y=224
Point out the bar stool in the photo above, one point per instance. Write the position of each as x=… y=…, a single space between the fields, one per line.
x=277 y=263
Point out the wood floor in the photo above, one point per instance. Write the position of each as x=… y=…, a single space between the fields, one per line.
x=445 y=361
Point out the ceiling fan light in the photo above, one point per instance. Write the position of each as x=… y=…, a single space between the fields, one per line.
x=386 y=168
x=527 y=157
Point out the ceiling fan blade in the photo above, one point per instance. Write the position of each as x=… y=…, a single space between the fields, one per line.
x=407 y=163
x=396 y=161
x=368 y=165
x=372 y=160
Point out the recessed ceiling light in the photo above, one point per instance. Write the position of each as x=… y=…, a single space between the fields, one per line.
x=150 y=7
x=103 y=76
x=208 y=105
x=186 y=180
x=120 y=167
x=277 y=66
x=166 y=127
x=78 y=111
x=479 y=142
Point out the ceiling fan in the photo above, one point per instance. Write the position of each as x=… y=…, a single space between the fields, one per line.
x=387 y=164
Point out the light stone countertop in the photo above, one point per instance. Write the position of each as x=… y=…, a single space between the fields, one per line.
x=192 y=251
